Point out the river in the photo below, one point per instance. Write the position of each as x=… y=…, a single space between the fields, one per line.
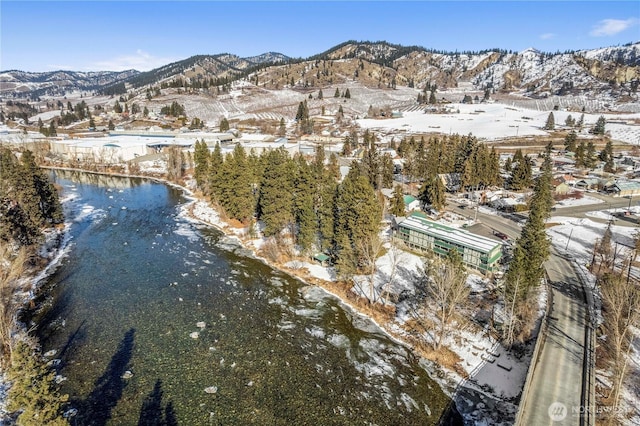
x=152 y=318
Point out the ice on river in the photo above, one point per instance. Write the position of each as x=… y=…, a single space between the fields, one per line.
x=186 y=230
x=88 y=212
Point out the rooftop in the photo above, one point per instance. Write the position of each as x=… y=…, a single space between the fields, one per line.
x=453 y=235
x=628 y=185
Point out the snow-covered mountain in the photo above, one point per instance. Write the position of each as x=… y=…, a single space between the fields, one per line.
x=20 y=84
x=534 y=73
x=611 y=71
x=16 y=83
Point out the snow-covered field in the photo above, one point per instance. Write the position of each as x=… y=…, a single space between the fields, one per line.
x=496 y=121
x=574 y=202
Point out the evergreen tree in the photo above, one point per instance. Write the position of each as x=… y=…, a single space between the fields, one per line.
x=201 y=169
x=551 y=122
x=397 y=202
x=145 y=112
x=305 y=111
x=346 y=146
x=275 y=202
x=117 y=108
x=346 y=262
x=320 y=96
x=334 y=168
x=282 y=129
x=28 y=200
x=580 y=123
x=111 y=126
x=303 y=202
x=386 y=171
x=34 y=392
x=347 y=94
x=52 y=129
x=508 y=164
x=569 y=121
x=531 y=251
x=433 y=193
x=224 y=125
x=432 y=98
x=521 y=174
x=215 y=164
x=234 y=187
x=590 y=155
x=371 y=164
x=469 y=177
x=599 y=128
x=358 y=211
x=47 y=207
x=337 y=93
x=324 y=192
x=606 y=155
x=570 y=141
x=494 y=168
x=580 y=154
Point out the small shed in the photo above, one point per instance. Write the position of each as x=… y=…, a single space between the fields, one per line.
x=322 y=259
x=411 y=203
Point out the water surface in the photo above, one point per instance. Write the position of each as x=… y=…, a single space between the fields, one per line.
x=154 y=318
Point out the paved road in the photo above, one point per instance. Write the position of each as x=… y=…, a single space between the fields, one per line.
x=557 y=377
x=556 y=386
x=620 y=203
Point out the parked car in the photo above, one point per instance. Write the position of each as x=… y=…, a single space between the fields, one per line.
x=501 y=235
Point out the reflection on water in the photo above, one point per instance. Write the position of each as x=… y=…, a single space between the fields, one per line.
x=156 y=320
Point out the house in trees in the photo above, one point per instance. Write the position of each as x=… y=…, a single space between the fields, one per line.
x=411 y=203
x=560 y=187
x=588 y=183
x=451 y=181
x=624 y=188
x=477 y=252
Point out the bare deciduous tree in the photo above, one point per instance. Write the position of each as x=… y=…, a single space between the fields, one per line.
x=371 y=249
x=621 y=300
x=446 y=287
x=395 y=260
x=13 y=266
x=175 y=163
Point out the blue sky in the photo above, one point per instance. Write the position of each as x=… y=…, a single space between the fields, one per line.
x=118 y=35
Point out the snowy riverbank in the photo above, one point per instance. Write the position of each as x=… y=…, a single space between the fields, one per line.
x=484 y=378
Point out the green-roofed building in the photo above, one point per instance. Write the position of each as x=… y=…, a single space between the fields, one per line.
x=322 y=258
x=411 y=203
x=477 y=252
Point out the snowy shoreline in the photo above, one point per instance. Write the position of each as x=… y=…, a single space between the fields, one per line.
x=451 y=381
x=474 y=401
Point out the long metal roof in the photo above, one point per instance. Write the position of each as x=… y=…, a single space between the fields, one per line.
x=627 y=185
x=451 y=235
